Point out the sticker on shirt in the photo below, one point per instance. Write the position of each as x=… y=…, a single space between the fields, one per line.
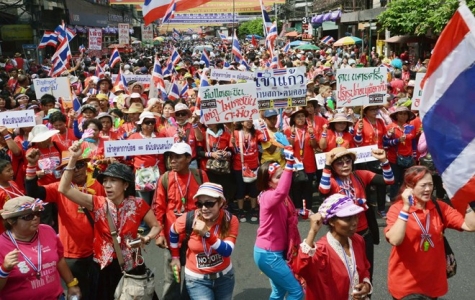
x=23 y=267
x=204 y=262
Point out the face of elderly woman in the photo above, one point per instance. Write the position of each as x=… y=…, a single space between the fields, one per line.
x=423 y=188
x=344 y=226
x=343 y=166
x=209 y=207
x=26 y=224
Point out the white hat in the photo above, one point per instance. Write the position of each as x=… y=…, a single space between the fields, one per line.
x=181 y=107
x=134 y=95
x=127 y=67
x=210 y=189
x=104 y=114
x=40 y=133
x=180 y=148
x=94 y=79
x=145 y=115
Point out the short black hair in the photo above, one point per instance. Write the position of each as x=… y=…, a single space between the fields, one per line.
x=117 y=112
x=57 y=116
x=92 y=121
x=3 y=164
x=47 y=98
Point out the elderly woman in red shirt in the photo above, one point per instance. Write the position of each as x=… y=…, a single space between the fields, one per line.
x=338 y=135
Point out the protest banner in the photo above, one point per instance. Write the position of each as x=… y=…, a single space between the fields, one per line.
x=363 y=154
x=281 y=88
x=18 y=118
x=417 y=94
x=58 y=87
x=228 y=75
x=361 y=86
x=229 y=103
x=123 y=29
x=147 y=34
x=95 y=39
x=137 y=147
x=143 y=79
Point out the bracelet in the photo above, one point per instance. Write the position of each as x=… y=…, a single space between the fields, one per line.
x=31 y=170
x=292 y=136
x=312 y=136
x=324 y=135
x=194 y=125
x=358 y=132
x=7 y=137
x=403 y=216
x=69 y=169
x=385 y=163
x=3 y=273
x=73 y=283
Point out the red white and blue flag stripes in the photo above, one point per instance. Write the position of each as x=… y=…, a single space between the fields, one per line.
x=205 y=58
x=62 y=32
x=82 y=49
x=236 y=50
x=286 y=47
x=153 y=10
x=49 y=39
x=99 y=71
x=174 y=92
x=115 y=58
x=175 y=34
x=121 y=82
x=157 y=78
x=448 y=106
x=327 y=40
x=271 y=36
x=175 y=57
x=266 y=21
x=170 y=13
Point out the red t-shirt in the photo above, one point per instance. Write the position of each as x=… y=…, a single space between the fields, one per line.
x=145 y=161
x=405 y=148
x=66 y=139
x=50 y=158
x=215 y=143
x=249 y=150
x=346 y=138
x=303 y=148
x=398 y=86
x=372 y=135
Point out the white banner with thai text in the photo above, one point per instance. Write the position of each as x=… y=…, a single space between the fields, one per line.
x=147 y=34
x=58 y=87
x=143 y=79
x=417 y=94
x=18 y=119
x=137 y=147
x=361 y=86
x=95 y=39
x=123 y=29
x=363 y=154
x=228 y=75
x=229 y=103
x=281 y=88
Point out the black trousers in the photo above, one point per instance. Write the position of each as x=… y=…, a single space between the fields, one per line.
x=83 y=269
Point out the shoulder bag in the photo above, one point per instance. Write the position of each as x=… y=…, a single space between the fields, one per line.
x=451 y=262
x=248 y=175
x=404 y=161
x=217 y=165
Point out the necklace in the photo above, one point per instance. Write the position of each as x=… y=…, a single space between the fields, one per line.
x=301 y=139
x=339 y=139
x=375 y=130
x=183 y=195
x=350 y=266
x=27 y=260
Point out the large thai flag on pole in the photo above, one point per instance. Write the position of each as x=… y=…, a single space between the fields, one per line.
x=170 y=13
x=266 y=21
x=205 y=58
x=448 y=107
x=115 y=58
x=236 y=49
x=49 y=39
x=271 y=36
x=156 y=9
x=62 y=31
x=175 y=57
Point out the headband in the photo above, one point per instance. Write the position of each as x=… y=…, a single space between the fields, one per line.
x=273 y=167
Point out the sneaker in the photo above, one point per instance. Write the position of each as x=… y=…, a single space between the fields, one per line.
x=382 y=214
x=255 y=215
x=242 y=216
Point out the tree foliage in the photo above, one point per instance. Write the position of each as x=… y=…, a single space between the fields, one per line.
x=254 y=27
x=417 y=17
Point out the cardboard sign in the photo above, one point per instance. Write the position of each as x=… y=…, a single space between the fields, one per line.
x=417 y=94
x=123 y=29
x=95 y=39
x=228 y=75
x=137 y=147
x=363 y=154
x=229 y=103
x=147 y=34
x=58 y=87
x=361 y=86
x=18 y=118
x=281 y=88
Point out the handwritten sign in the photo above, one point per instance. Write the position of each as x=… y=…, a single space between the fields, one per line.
x=147 y=34
x=95 y=39
x=228 y=75
x=143 y=79
x=18 y=119
x=229 y=103
x=361 y=86
x=280 y=88
x=58 y=87
x=417 y=94
x=137 y=147
x=363 y=154
x=123 y=29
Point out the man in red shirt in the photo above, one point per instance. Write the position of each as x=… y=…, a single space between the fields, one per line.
x=173 y=198
x=397 y=84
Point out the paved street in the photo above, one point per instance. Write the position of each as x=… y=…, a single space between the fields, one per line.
x=251 y=284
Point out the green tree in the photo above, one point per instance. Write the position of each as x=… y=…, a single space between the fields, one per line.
x=417 y=17
x=254 y=27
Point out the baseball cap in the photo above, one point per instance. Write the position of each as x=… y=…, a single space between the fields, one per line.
x=180 y=148
x=270 y=113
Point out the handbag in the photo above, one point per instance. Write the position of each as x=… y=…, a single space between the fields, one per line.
x=217 y=165
x=451 y=262
x=248 y=175
x=427 y=162
x=404 y=161
x=130 y=287
x=146 y=178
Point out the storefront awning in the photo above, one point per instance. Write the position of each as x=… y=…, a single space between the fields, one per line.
x=330 y=16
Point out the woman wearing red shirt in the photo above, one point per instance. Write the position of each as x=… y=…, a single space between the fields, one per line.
x=107 y=133
x=401 y=135
x=93 y=147
x=417 y=263
x=338 y=135
x=302 y=137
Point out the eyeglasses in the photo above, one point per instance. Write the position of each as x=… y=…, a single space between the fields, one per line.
x=31 y=216
x=79 y=165
x=343 y=161
x=207 y=204
x=181 y=114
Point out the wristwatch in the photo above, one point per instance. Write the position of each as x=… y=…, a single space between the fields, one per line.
x=207 y=235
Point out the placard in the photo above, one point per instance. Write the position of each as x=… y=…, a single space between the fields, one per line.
x=417 y=94
x=361 y=86
x=147 y=34
x=58 y=87
x=123 y=29
x=363 y=154
x=229 y=103
x=95 y=39
x=143 y=79
x=18 y=118
x=228 y=75
x=280 y=88
x=137 y=147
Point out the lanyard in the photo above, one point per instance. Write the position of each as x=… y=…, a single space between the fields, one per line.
x=183 y=199
x=301 y=139
x=203 y=240
x=339 y=139
x=351 y=269
x=9 y=193
x=28 y=261
x=247 y=142
x=425 y=236
x=375 y=130
x=347 y=187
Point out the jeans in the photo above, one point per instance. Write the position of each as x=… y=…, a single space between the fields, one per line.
x=208 y=289
x=172 y=290
x=282 y=279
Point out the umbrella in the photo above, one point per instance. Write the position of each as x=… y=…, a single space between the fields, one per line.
x=347 y=40
x=249 y=36
x=136 y=42
x=297 y=43
x=308 y=47
x=159 y=38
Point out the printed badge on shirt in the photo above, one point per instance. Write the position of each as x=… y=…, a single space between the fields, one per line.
x=204 y=262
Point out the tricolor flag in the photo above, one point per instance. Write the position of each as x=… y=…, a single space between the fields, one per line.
x=327 y=40
x=153 y=10
x=271 y=36
x=59 y=66
x=157 y=78
x=205 y=58
x=175 y=34
x=61 y=56
x=121 y=82
x=275 y=62
x=169 y=68
x=236 y=49
x=115 y=58
x=244 y=63
x=170 y=13
x=62 y=31
x=184 y=91
x=223 y=36
x=49 y=39
x=448 y=105
x=286 y=47
x=76 y=104
x=99 y=71
x=174 y=92
x=175 y=57
x=82 y=49
x=266 y=21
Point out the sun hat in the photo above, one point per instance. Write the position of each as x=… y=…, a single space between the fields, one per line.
x=180 y=148
x=88 y=106
x=270 y=113
x=338 y=152
x=338 y=205
x=151 y=102
x=399 y=109
x=21 y=206
x=117 y=170
x=131 y=87
x=41 y=133
x=340 y=117
x=134 y=95
x=134 y=108
x=104 y=115
x=102 y=97
x=145 y=115
x=66 y=157
x=106 y=80
x=210 y=189
x=294 y=113
x=182 y=107
x=370 y=105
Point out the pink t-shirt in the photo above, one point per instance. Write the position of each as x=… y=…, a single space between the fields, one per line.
x=22 y=282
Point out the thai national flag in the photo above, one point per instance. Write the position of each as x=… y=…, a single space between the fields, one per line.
x=82 y=49
x=99 y=71
x=62 y=31
x=265 y=19
x=236 y=49
x=448 y=105
x=63 y=53
x=204 y=82
x=169 y=68
x=184 y=91
x=156 y=9
x=59 y=66
x=46 y=69
x=271 y=36
x=176 y=34
x=244 y=63
x=170 y=13
x=286 y=47
x=223 y=36
x=205 y=58
x=49 y=39
x=327 y=40
x=115 y=58
x=275 y=62
x=76 y=104
x=174 y=92
x=157 y=78
x=175 y=57
x=121 y=82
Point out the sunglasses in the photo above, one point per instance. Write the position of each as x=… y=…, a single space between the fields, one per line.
x=207 y=204
x=343 y=161
x=149 y=122
x=79 y=165
x=31 y=216
x=181 y=114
